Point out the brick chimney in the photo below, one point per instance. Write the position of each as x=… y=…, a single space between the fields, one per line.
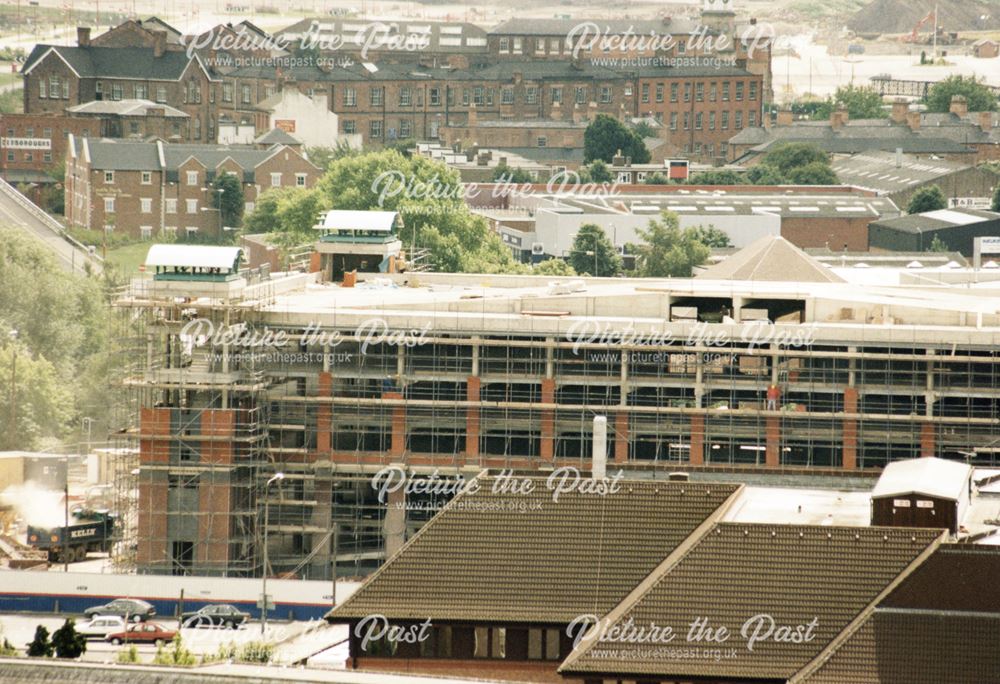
x=899 y=109
x=913 y=120
x=83 y=36
x=785 y=117
x=959 y=106
x=986 y=121
x=159 y=43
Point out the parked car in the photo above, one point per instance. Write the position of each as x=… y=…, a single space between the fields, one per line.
x=132 y=610
x=100 y=626
x=144 y=633
x=221 y=615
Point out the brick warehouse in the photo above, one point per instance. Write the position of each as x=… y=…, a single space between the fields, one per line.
x=142 y=188
x=510 y=372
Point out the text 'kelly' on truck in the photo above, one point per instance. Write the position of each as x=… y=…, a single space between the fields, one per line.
x=88 y=531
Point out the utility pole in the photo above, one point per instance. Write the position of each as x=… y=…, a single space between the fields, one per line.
x=13 y=389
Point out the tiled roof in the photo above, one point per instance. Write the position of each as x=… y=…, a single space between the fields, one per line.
x=277 y=136
x=126 y=108
x=117 y=62
x=795 y=574
x=935 y=220
x=126 y=155
x=525 y=558
x=958 y=577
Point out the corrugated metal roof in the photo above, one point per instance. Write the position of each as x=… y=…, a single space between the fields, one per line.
x=929 y=476
x=338 y=219
x=192 y=256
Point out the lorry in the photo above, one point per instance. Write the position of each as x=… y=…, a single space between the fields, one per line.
x=89 y=530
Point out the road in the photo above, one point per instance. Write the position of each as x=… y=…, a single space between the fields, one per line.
x=16 y=214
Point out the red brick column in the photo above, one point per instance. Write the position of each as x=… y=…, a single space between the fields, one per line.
x=548 y=422
x=773 y=444
x=621 y=437
x=927 y=439
x=398 y=445
x=697 y=455
x=849 y=431
x=324 y=413
x=472 y=417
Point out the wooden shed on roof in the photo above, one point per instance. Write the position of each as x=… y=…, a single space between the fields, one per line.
x=922 y=492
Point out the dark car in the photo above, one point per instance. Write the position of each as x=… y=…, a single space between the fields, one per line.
x=132 y=610
x=146 y=633
x=222 y=615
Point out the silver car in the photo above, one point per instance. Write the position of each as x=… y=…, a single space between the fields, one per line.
x=100 y=626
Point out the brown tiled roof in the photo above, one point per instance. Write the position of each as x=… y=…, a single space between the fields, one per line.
x=958 y=577
x=894 y=646
x=792 y=573
x=496 y=557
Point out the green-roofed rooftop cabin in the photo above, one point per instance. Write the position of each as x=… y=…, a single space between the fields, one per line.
x=364 y=241
x=194 y=263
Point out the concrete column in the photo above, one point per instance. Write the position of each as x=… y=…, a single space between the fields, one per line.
x=394 y=526
x=324 y=414
x=621 y=437
x=548 y=421
x=699 y=381
x=401 y=366
x=849 y=431
x=773 y=441
x=472 y=417
x=928 y=444
x=398 y=444
x=697 y=456
x=623 y=386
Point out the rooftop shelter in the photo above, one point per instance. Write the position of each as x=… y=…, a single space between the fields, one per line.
x=352 y=241
x=194 y=263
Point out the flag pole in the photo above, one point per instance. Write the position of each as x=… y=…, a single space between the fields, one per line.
x=935 y=31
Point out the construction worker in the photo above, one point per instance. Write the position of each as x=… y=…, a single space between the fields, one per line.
x=773 y=395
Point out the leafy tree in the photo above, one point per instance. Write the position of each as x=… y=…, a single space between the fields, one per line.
x=40 y=646
x=644 y=130
x=593 y=253
x=711 y=237
x=861 y=102
x=264 y=217
x=606 y=135
x=657 y=178
x=323 y=156
x=978 y=96
x=762 y=174
x=599 y=172
x=813 y=173
x=553 y=267
x=929 y=198
x=227 y=197
x=506 y=174
x=787 y=156
x=67 y=642
x=717 y=177
x=669 y=251
x=995 y=206
x=938 y=245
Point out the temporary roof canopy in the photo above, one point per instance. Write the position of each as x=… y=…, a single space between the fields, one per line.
x=188 y=256
x=929 y=476
x=337 y=219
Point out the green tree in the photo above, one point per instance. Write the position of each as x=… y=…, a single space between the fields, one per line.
x=40 y=646
x=813 y=173
x=762 y=174
x=995 y=206
x=929 y=198
x=323 y=156
x=787 y=156
x=553 y=267
x=711 y=237
x=227 y=197
x=657 y=178
x=67 y=642
x=644 y=130
x=938 y=245
x=717 y=177
x=505 y=174
x=606 y=136
x=861 y=102
x=593 y=253
x=264 y=217
x=599 y=172
x=669 y=251
x=977 y=94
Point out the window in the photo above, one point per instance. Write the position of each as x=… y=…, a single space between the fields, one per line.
x=47 y=133
x=681 y=47
x=673 y=92
x=434 y=96
x=10 y=155
x=109 y=205
x=47 y=156
x=687 y=92
x=752 y=119
x=725 y=91
x=539 y=46
x=276 y=180
x=350 y=97
x=300 y=180
x=739 y=91
x=109 y=176
x=711 y=121
x=350 y=127
x=146 y=205
x=477 y=96
x=375 y=97
x=542 y=141
x=54 y=87
x=581 y=94
x=753 y=91
x=699 y=92
x=687 y=121
x=659 y=92
x=141 y=91
x=554 y=46
x=375 y=129
x=507 y=96
x=725 y=121
x=161 y=94
x=171 y=206
x=191 y=206
x=246 y=94
x=65 y=89
x=645 y=92
x=146 y=232
x=605 y=94
x=505 y=45
x=738 y=121
x=713 y=91
x=405 y=128
x=466 y=97
x=191 y=230
x=197 y=128
x=43 y=89
x=673 y=121
x=556 y=95
x=99 y=90
x=248 y=207
x=531 y=95
x=517 y=46
x=227 y=92
x=404 y=97
x=698 y=118
x=116 y=91
x=192 y=178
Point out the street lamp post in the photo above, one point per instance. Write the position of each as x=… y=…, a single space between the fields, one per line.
x=13 y=389
x=263 y=594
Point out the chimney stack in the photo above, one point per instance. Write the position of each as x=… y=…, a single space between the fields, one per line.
x=913 y=120
x=83 y=36
x=959 y=106
x=600 y=454
x=618 y=159
x=899 y=109
x=159 y=43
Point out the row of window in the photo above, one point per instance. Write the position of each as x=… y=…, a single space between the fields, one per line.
x=191 y=178
x=714 y=120
x=562 y=46
x=29 y=156
x=716 y=91
x=54 y=88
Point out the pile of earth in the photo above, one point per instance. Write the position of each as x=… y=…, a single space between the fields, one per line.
x=900 y=16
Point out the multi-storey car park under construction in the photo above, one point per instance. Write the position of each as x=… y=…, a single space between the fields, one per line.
x=767 y=361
